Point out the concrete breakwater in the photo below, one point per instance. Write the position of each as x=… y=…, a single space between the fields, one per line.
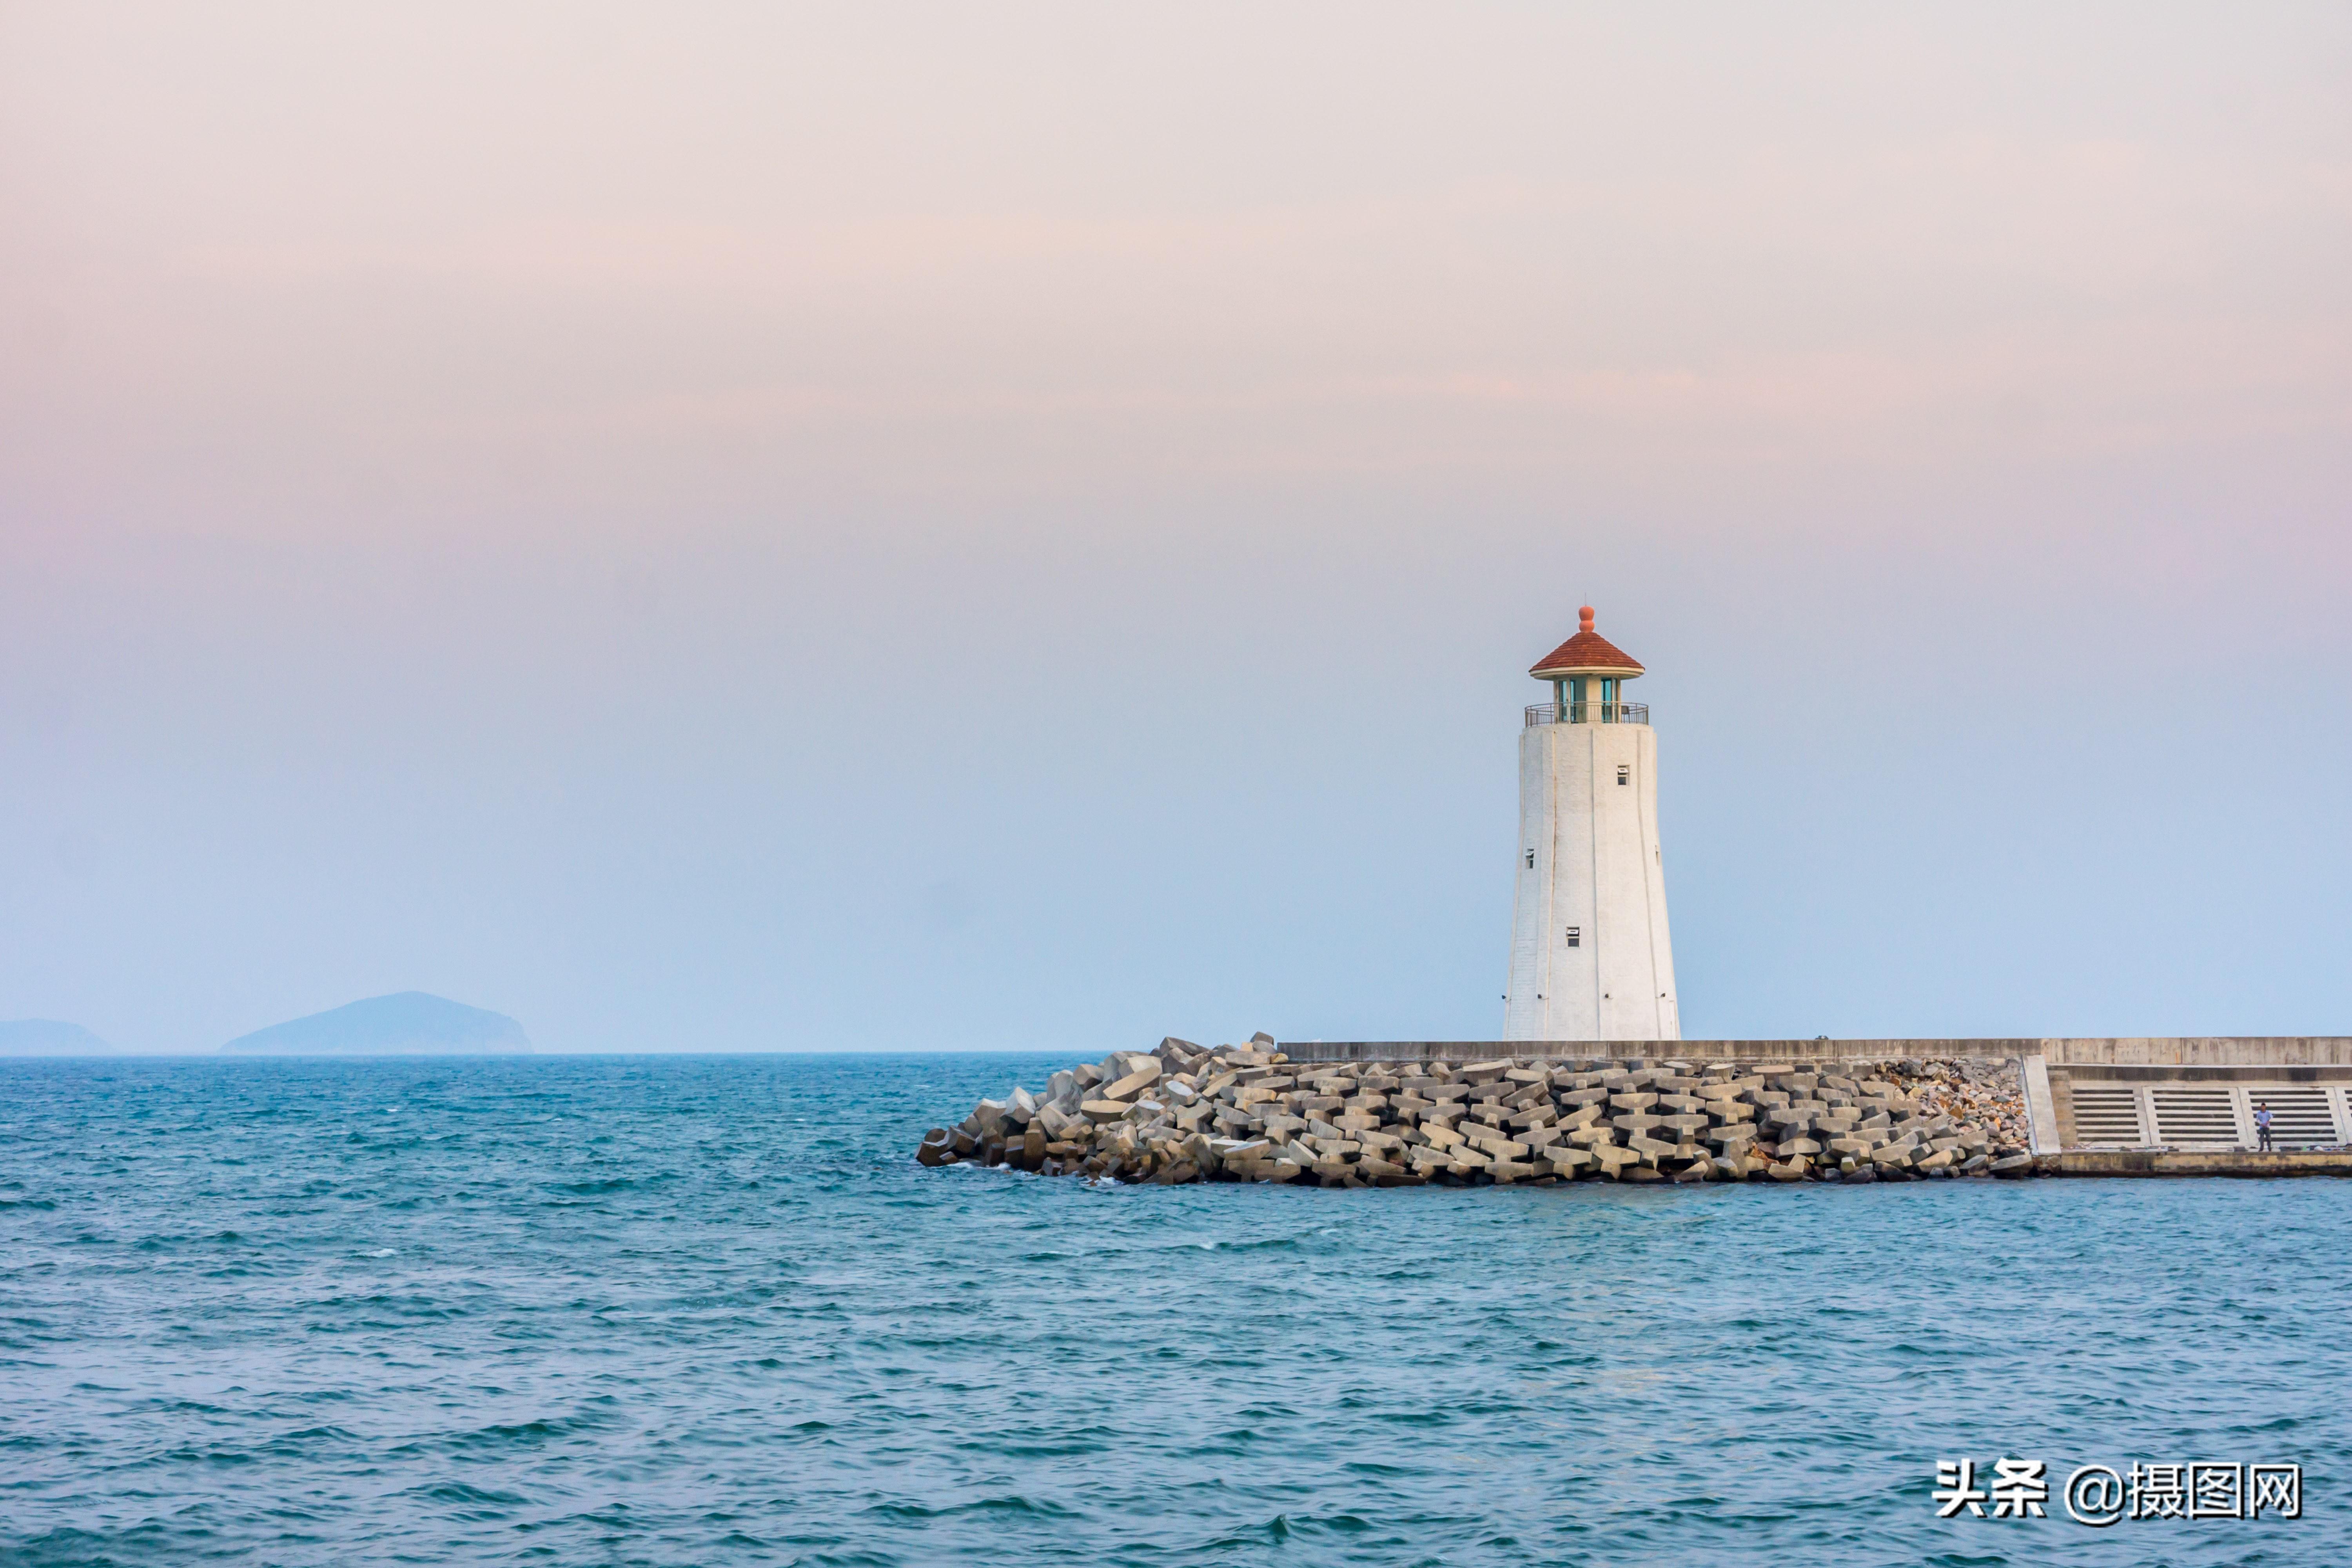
x=1185 y=1113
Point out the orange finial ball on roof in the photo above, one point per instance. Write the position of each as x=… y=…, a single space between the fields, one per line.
x=1584 y=619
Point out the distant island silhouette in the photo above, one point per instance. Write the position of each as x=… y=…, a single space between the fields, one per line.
x=48 y=1038
x=406 y=1024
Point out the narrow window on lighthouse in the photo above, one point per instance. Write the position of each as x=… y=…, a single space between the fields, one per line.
x=1575 y=936
x=1624 y=774
x=1531 y=859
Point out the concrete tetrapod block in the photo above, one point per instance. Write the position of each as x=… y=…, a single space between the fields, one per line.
x=1612 y=1161
x=1498 y=1148
x=1134 y=1083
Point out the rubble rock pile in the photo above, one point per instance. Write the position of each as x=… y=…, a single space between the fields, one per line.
x=1185 y=1113
x=1984 y=1092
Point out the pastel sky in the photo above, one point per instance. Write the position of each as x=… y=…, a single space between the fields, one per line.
x=885 y=526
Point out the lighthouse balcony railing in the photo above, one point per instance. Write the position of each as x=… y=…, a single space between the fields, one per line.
x=1588 y=713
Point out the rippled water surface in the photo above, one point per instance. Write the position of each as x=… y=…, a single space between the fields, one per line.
x=706 y=1310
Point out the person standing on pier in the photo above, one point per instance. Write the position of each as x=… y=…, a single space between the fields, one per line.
x=2262 y=1126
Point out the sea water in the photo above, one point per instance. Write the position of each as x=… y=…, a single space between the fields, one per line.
x=698 y=1309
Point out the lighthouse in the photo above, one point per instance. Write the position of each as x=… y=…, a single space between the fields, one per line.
x=1590 y=955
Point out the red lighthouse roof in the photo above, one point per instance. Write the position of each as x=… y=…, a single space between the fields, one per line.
x=1586 y=653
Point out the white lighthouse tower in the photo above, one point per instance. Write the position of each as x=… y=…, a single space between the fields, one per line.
x=1590 y=955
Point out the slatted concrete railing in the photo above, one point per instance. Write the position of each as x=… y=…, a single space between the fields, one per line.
x=2174 y=1115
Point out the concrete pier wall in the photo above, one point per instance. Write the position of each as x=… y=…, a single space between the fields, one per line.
x=2125 y=1092
x=2191 y=1162
x=2202 y=1050
x=2182 y=1051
